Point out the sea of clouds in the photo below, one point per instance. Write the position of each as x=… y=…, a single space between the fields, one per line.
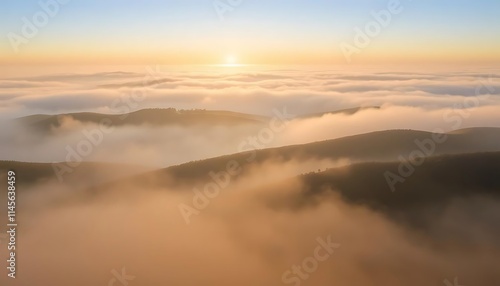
x=73 y=237
x=421 y=100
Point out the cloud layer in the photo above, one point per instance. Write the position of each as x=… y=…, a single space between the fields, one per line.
x=409 y=100
x=70 y=237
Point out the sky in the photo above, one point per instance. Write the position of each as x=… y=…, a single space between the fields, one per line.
x=248 y=32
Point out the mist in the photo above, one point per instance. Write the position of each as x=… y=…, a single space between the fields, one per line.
x=79 y=237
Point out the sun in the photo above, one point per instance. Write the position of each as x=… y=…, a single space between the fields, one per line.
x=231 y=60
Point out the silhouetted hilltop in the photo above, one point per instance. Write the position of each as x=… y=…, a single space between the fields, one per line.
x=169 y=116
x=165 y=116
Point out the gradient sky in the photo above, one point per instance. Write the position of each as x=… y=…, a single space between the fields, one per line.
x=255 y=32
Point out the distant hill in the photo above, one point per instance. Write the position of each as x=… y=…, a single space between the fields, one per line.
x=165 y=116
x=168 y=116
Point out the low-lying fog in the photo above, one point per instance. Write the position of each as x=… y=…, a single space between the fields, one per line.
x=77 y=238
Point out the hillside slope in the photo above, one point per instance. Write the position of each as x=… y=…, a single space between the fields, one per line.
x=377 y=146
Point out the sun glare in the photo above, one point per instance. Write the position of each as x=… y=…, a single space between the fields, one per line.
x=231 y=60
